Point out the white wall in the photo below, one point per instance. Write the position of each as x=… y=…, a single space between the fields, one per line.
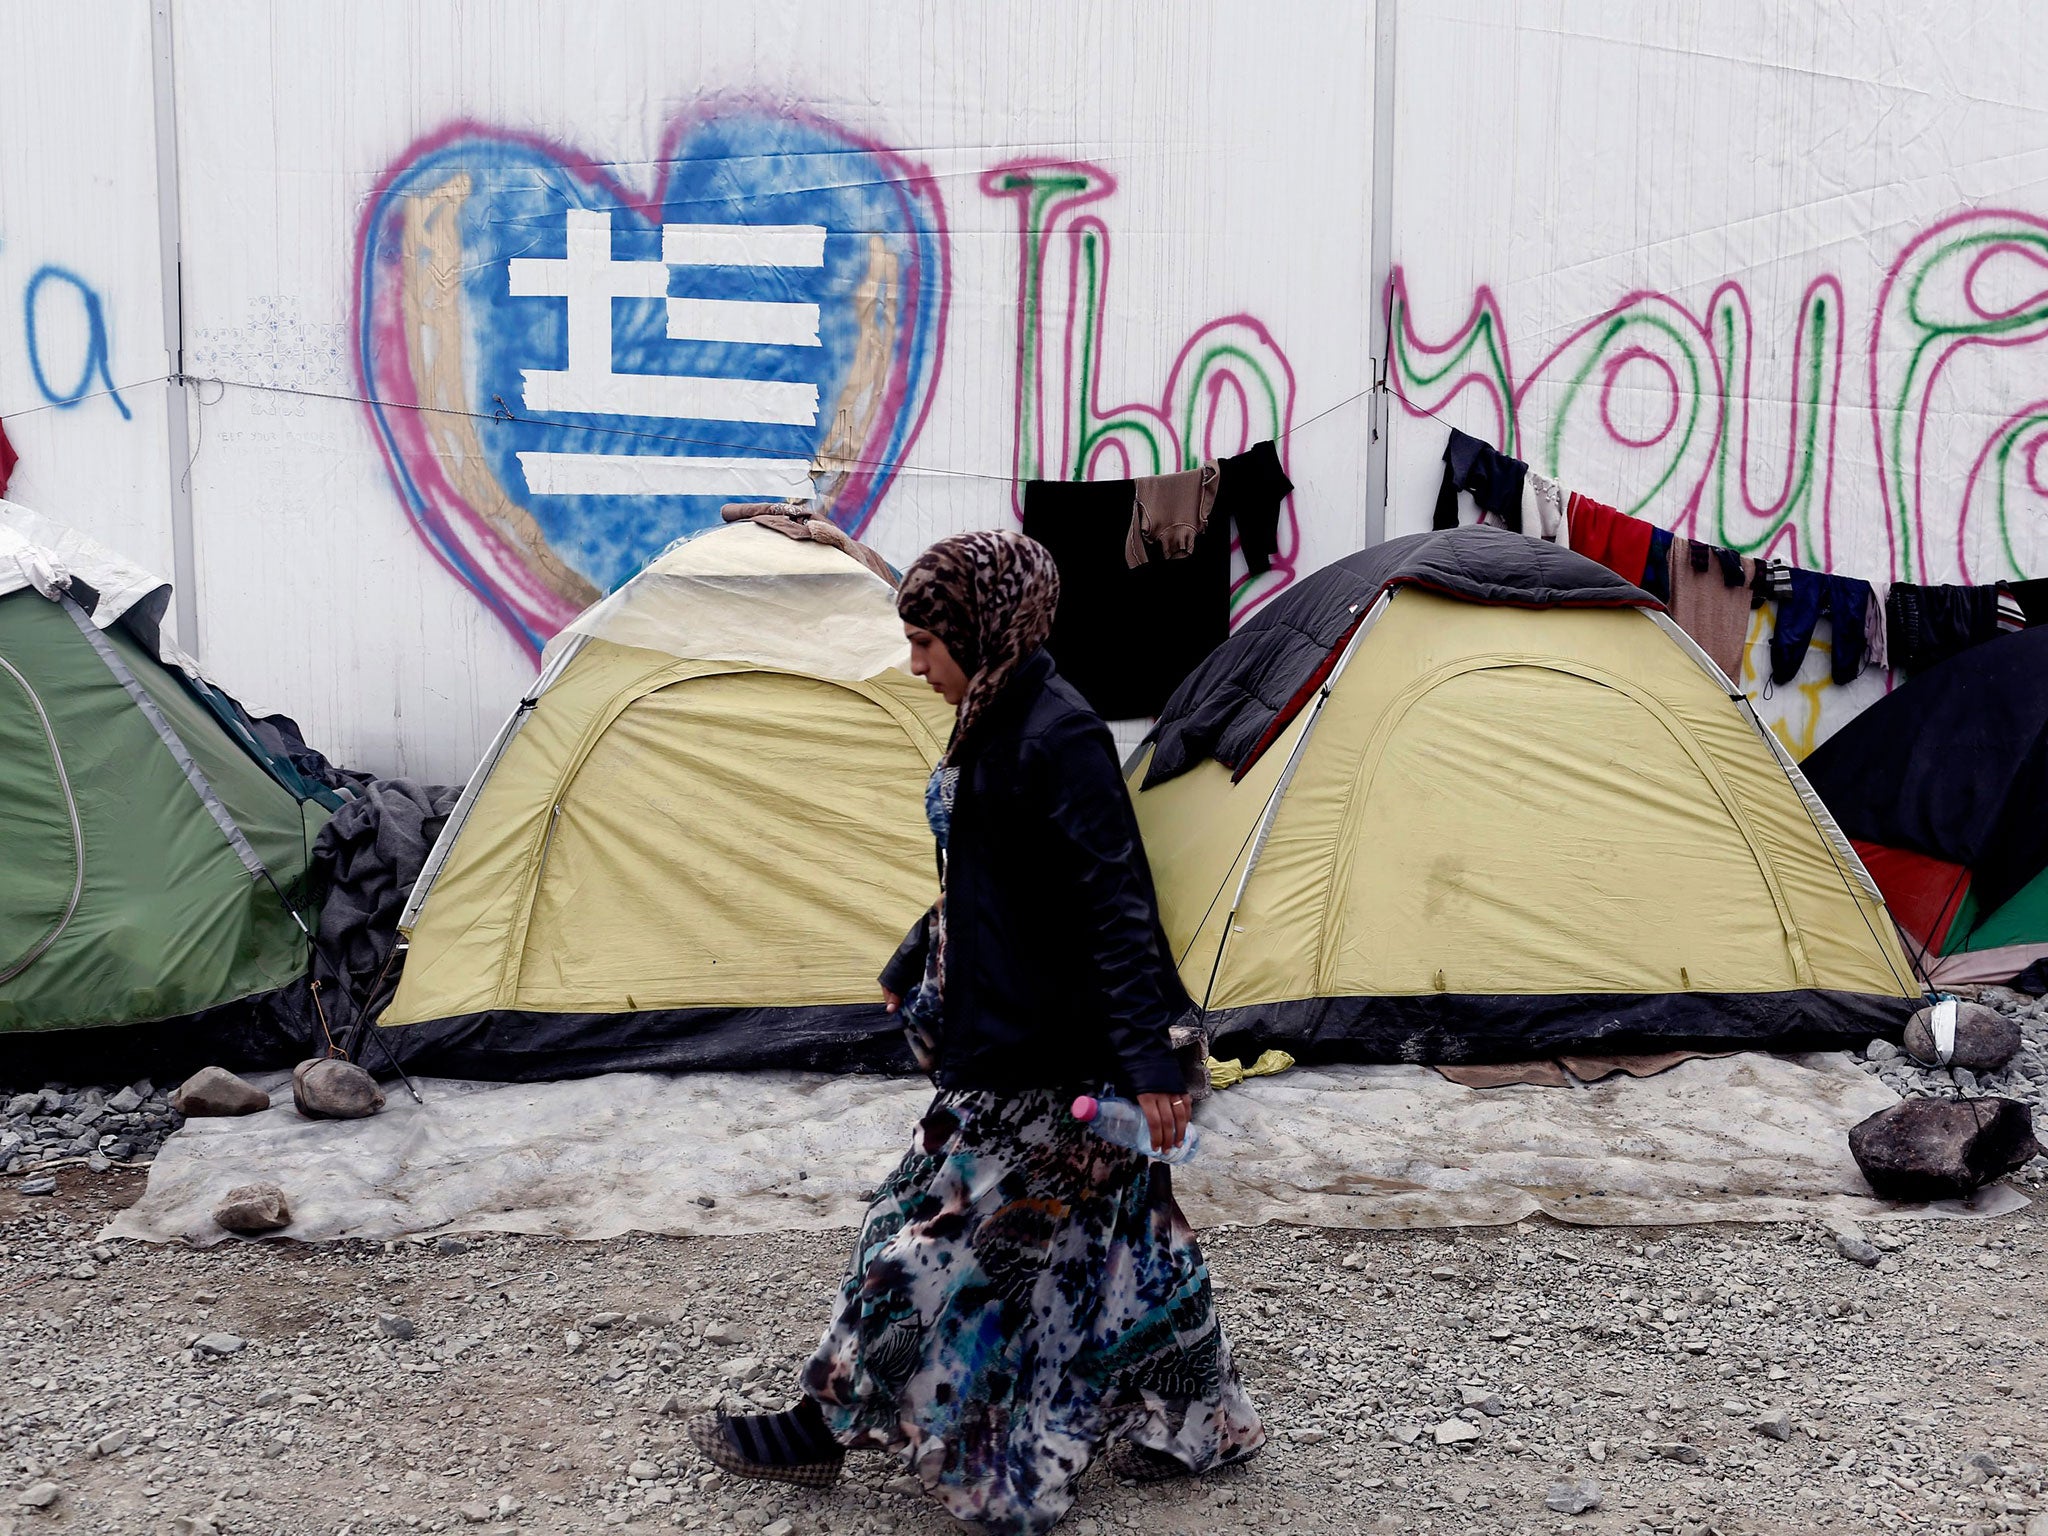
x=1727 y=188
x=1722 y=186
x=1237 y=137
x=78 y=236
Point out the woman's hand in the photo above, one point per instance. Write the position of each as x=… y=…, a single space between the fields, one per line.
x=890 y=1000
x=1167 y=1114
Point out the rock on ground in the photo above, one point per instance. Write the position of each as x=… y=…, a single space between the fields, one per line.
x=253 y=1209
x=327 y=1088
x=1940 y=1149
x=1985 y=1040
x=217 y=1091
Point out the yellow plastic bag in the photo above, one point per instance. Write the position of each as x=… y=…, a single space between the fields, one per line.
x=1228 y=1074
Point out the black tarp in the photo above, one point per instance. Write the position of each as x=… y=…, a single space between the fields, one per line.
x=365 y=862
x=1953 y=765
x=1243 y=695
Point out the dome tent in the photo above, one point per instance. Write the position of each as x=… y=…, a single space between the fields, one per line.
x=155 y=857
x=1943 y=786
x=696 y=841
x=1466 y=796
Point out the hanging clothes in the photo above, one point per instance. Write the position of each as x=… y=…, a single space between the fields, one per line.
x=1168 y=514
x=1250 y=487
x=1772 y=583
x=1126 y=637
x=1543 y=508
x=1710 y=607
x=1809 y=596
x=1493 y=480
x=1656 y=577
x=1874 y=647
x=1619 y=542
x=1929 y=624
x=2032 y=596
x=8 y=459
x=2011 y=616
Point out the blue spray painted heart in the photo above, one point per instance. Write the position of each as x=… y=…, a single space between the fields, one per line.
x=564 y=376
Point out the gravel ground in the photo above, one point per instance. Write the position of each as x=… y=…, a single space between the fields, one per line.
x=1537 y=1379
x=1727 y=1379
x=41 y=1128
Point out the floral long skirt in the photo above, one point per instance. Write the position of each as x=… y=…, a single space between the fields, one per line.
x=1023 y=1292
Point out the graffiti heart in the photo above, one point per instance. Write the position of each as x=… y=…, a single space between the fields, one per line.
x=566 y=374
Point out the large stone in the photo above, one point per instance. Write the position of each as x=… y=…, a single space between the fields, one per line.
x=1938 y=1149
x=328 y=1088
x=1985 y=1039
x=216 y=1091
x=1573 y=1498
x=252 y=1209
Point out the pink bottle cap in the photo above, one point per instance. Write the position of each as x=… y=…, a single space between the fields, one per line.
x=1086 y=1108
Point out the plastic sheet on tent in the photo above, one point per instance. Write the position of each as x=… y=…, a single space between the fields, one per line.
x=1741 y=1138
x=744 y=594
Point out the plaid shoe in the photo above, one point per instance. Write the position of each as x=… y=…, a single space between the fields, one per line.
x=712 y=1435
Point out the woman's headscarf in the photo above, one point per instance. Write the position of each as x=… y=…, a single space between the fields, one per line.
x=990 y=597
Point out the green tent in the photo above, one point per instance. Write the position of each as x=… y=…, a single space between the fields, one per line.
x=151 y=867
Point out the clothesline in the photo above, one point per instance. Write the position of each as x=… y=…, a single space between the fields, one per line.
x=503 y=413
x=1905 y=625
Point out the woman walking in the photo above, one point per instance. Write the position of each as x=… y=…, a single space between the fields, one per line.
x=1022 y=1292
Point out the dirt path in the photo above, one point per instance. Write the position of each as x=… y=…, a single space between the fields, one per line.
x=1636 y=1361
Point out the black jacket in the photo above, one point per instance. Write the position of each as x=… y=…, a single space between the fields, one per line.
x=1057 y=971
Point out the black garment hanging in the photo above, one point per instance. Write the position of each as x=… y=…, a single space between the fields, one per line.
x=1494 y=480
x=1125 y=636
x=1928 y=624
x=1248 y=498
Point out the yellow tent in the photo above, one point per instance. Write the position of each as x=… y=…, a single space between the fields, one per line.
x=1467 y=796
x=698 y=839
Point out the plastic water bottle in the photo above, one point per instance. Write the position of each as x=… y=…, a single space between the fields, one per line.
x=1123 y=1124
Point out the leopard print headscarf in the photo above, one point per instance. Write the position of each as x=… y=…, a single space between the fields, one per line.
x=990 y=597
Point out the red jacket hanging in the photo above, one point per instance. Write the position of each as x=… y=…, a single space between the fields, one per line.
x=1617 y=541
